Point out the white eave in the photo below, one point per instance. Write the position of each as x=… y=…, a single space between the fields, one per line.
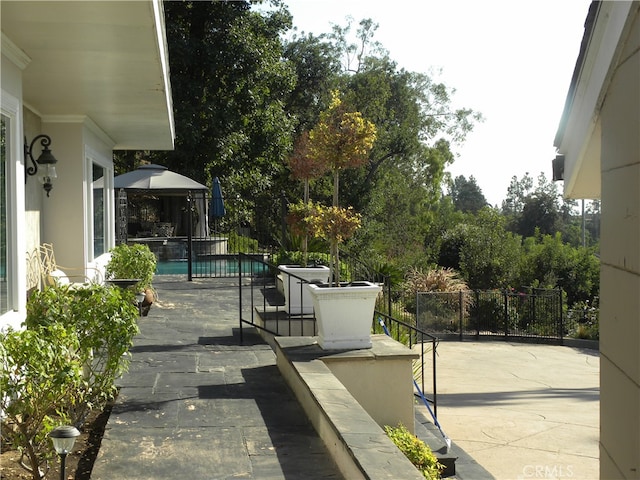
x=105 y=60
x=578 y=137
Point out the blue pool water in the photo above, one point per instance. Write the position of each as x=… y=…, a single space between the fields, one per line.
x=219 y=268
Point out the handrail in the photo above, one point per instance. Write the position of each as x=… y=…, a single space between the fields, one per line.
x=410 y=336
x=257 y=289
x=402 y=332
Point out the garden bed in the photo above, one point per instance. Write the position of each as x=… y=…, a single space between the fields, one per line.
x=79 y=463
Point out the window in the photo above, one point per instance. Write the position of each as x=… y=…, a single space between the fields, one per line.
x=4 y=201
x=99 y=230
x=100 y=204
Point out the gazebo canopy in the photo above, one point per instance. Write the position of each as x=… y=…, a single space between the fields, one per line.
x=157 y=179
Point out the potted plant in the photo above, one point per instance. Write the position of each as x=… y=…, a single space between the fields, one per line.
x=133 y=266
x=341 y=139
x=305 y=167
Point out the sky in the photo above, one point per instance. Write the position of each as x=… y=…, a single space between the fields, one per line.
x=511 y=60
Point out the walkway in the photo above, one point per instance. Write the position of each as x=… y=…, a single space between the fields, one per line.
x=197 y=405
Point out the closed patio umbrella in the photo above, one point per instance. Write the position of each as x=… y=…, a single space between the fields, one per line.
x=217 y=209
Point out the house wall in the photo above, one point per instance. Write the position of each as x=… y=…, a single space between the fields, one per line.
x=67 y=217
x=34 y=193
x=620 y=269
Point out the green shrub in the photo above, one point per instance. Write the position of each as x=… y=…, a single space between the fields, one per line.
x=132 y=261
x=242 y=244
x=39 y=371
x=583 y=321
x=104 y=320
x=416 y=451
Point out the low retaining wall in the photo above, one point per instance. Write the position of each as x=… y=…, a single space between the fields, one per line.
x=354 y=438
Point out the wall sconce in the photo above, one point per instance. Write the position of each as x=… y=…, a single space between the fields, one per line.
x=46 y=160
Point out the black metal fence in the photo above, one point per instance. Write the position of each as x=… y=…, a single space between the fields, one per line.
x=262 y=305
x=536 y=313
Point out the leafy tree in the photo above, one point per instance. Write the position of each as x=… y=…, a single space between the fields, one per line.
x=528 y=207
x=489 y=254
x=517 y=191
x=341 y=139
x=467 y=195
x=540 y=212
x=229 y=80
x=395 y=221
x=547 y=262
x=317 y=68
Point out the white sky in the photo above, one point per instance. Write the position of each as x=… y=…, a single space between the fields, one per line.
x=511 y=60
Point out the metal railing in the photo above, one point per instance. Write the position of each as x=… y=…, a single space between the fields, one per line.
x=531 y=314
x=261 y=301
x=413 y=337
x=262 y=306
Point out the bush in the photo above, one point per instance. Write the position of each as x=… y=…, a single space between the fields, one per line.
x=416 y=451
x=104 y=320
x=39 y=374
x=132 y=261
x=583 y=321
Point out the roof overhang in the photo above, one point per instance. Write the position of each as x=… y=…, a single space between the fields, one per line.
x=578 y=136
x=102 y=60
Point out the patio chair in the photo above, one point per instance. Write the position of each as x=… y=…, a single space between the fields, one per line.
x=54 y=274
x=33 y=271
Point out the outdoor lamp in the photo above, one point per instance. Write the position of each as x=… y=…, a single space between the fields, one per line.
x=63 y=438
x=46 y=161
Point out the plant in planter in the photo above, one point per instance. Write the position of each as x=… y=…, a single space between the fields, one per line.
x=133 y=262
x=341 y=139
x=306 y=167
x=302 y=217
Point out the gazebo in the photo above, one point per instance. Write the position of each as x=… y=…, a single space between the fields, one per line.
x=163 y=209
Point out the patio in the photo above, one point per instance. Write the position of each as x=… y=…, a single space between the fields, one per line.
x=196 y=401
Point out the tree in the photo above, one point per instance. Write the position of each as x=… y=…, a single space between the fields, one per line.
x=489 y=254
x=548 y=262
x=317 y=68
x=341 y=139
x=467 y=195
x=229 y=81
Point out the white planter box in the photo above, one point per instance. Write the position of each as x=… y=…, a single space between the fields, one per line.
x=344 y=315
x=296 y=295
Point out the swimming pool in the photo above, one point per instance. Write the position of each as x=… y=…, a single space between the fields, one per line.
x=210 y=268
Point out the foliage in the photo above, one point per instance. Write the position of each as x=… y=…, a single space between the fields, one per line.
x=242 y=243
x=104 y=321
x=433 y=280
x=467 y=195
x=443 y=310
x=584 y=320
x=530 y=208
x=547 y=262
x=306 y=167
x=341 y=139
x=418 y=453
x=132 y=261
x=489 y=253
x=39 y=374
x=334 y=223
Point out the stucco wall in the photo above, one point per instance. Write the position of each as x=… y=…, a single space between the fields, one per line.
x=620 y=270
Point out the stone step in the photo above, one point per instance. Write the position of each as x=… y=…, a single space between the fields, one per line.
x=459 y=464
